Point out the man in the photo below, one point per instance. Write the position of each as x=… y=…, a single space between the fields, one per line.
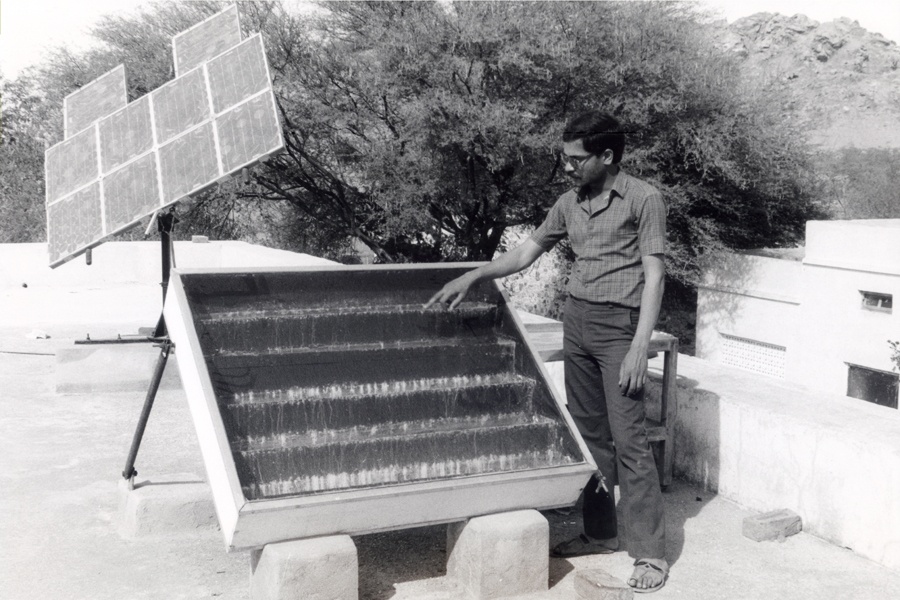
x=616 y=226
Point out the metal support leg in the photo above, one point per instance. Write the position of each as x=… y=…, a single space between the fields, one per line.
x=166 y=224
x=166 y=347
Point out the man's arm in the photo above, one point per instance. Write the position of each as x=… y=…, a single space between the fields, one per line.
x=506 y=264
x=633 y=373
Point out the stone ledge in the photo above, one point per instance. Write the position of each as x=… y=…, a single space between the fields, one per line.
x=769 y=444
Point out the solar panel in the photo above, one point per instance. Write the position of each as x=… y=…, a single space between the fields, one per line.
x=97 y=99
x=206 y=40
x=129 y=160
x=76 y=220
x=247 y=131
x=71 y=164
x=131 y=193
x=179 y=105
x=126 y=134
x=238 y=74
x=188 y=163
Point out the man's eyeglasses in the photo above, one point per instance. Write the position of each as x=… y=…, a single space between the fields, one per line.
x=575 y=161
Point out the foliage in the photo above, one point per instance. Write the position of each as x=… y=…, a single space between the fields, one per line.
x=427 y=130
x=895 y=354
x=862 y=183
x=21 y=164
x=539 y=289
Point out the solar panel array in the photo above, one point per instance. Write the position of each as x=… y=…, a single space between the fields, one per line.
x=121 y=162
x=97 y=99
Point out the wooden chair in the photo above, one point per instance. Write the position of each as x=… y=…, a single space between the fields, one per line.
x=547 y=338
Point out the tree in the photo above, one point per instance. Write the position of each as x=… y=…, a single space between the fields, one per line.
x=862 y=183
x=426 y=130
x=21 y=164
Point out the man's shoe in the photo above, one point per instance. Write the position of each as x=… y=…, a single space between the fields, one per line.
x=583 y=545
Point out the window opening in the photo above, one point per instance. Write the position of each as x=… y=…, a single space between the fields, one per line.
x=877 y=301
x=872 y=385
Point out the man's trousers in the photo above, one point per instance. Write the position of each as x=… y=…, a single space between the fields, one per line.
x=597 y=338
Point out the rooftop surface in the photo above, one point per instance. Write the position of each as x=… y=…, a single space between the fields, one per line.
x=58 y=512
x=63 y=455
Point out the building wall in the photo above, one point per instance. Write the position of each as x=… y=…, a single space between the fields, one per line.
x=813 y=309
x=747 y=312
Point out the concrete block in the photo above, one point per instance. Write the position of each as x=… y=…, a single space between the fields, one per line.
x=179 y=503
x=500 y=555
x=775 y=525
x=597 y=584
x=325 y=568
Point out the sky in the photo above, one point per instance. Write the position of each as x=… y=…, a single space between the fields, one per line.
x=28 y=28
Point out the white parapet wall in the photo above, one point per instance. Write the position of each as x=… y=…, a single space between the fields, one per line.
x=118 y=292
x=769 y=444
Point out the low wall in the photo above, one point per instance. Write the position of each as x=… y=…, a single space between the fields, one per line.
x=768 y=444
x=119 y=293
x=117 y=263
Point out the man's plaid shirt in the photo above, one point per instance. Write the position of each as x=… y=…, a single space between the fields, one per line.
x=610 y=240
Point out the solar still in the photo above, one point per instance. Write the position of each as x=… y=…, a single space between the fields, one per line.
x=206 y=40
x=103 y=96
x=126 y=134
x=205 y=124
x=327 y=401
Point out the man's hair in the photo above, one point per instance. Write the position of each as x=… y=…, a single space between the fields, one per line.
x=598 y=132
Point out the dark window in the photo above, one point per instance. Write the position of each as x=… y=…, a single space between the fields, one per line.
x=876 y=301
x=872 y=385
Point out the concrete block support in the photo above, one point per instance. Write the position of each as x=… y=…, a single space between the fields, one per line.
x=178 y=503
x=775 y=525
x=597 y=584
x=500 y=555
x=325 y=568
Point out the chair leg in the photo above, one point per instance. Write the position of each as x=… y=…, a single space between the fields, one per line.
x=659 y=451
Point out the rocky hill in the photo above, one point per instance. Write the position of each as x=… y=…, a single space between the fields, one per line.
x=842 y=82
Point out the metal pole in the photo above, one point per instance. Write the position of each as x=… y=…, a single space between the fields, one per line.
x=166 y=346
x=165 y=223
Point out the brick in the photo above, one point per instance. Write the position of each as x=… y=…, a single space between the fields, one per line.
x=597 y=584
x=325 y=568
x=500 y=555
x=775 y=525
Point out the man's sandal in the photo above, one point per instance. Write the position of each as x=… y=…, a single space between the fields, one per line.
x=647 y=568
x=581 y=546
